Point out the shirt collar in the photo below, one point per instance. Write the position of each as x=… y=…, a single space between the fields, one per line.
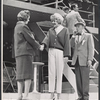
x=58 y=29
x=20 y=22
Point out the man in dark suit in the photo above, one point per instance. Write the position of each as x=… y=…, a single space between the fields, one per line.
x=83 y=47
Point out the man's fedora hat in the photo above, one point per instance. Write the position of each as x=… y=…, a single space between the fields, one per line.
x=80 y=23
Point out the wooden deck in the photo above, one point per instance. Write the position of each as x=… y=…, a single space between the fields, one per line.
x=46 y=96
x=67 y=93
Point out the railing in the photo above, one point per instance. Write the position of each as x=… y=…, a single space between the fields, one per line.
x=82 y=11
x=90 y=14
x=54 y=3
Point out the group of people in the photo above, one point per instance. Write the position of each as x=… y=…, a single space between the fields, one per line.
x=59 y=43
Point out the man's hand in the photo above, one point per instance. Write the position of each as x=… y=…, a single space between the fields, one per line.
x=65 y=59
x=89 y=63
x=42 y=47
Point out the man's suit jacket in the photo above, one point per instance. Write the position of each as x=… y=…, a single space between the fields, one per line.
x=72 y=18
x=84 y=50
x=24 y=42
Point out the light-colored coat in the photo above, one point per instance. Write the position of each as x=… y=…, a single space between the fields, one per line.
x=84 y=50
x=72 y=18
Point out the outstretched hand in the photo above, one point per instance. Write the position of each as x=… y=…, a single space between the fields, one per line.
x=42 y=47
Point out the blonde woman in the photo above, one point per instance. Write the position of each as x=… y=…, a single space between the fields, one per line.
x=57 y=40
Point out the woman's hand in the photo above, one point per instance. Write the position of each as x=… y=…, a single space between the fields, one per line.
x=42 y=47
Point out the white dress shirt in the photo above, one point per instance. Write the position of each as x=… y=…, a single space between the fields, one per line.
x=78 y=37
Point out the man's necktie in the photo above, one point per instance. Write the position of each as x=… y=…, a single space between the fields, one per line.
x=79 y=34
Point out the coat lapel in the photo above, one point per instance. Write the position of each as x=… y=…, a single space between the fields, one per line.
x=82 y=38
x=53 y=31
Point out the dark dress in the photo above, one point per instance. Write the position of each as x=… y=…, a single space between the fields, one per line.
x=24 y=68
x=24 y=48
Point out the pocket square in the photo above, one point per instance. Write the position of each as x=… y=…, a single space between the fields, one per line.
x=83 y=42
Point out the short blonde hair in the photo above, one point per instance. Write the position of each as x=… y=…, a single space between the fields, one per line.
x=58 y=17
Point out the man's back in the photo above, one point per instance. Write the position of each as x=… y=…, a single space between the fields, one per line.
x=72 y=18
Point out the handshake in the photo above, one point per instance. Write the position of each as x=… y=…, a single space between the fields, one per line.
x=42 y=47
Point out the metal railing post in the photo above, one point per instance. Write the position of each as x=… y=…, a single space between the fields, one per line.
x=93 y=16
x=56 y=4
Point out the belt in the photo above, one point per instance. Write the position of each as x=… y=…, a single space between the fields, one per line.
x=56 y=48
